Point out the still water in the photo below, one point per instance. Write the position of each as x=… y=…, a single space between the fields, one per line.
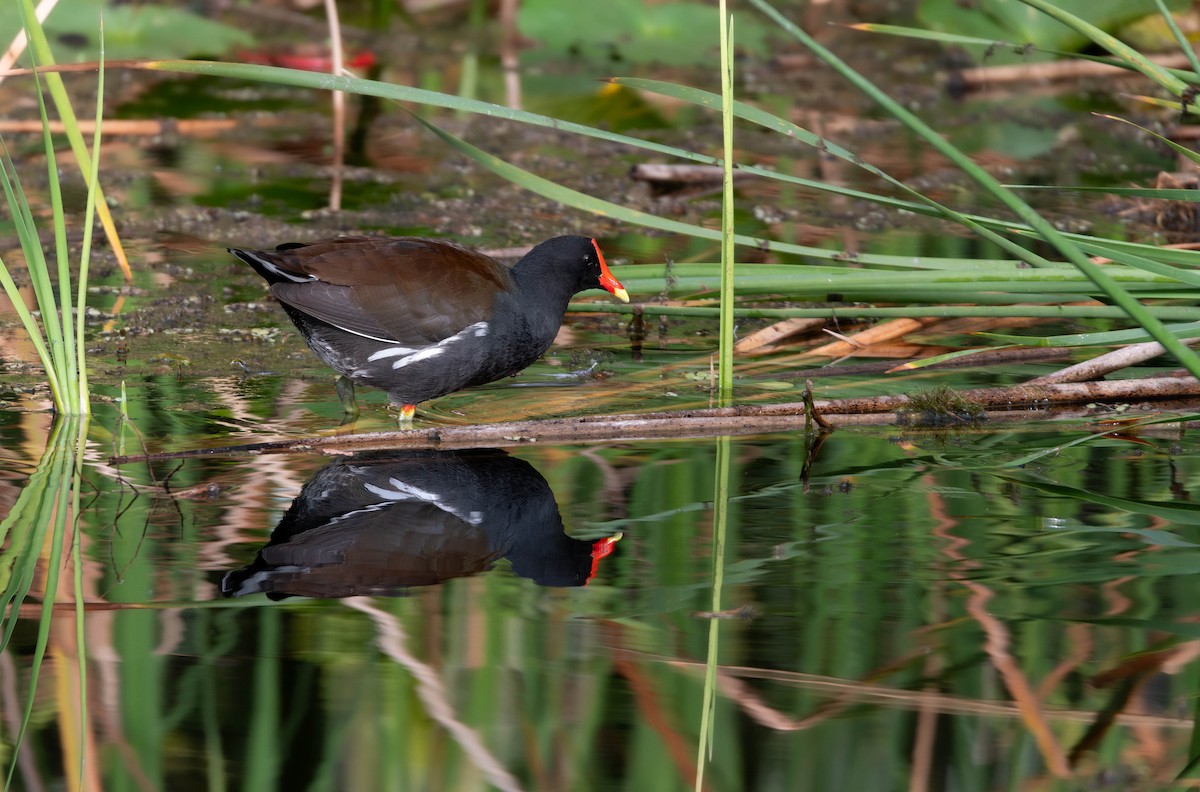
x=975 y=609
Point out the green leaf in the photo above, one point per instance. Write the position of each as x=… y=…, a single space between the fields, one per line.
x=1136 y=336
x=1177 y=148
x=678 y=34
x=131 y=31
x=935 y=359
x=1165 y=194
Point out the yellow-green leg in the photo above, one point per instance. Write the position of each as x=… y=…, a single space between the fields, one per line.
x=345 y=392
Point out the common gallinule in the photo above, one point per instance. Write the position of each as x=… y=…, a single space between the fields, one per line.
x=381 y=522
x=420 y=318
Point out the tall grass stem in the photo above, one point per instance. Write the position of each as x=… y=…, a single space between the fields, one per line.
x=725 y=344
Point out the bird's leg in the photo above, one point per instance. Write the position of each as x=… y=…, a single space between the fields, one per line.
x=404 y=413
x=345 y=392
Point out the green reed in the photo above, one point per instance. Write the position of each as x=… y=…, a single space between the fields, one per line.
x=57 y=329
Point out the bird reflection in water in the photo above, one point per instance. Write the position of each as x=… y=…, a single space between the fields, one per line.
x=380 y=522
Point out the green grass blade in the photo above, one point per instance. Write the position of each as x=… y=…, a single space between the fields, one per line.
x=950 y=39
x=725 y=342
x=318 y=81
x=1114 y=45
x=59 y=340
x=598 y=206
x=1129 y=259
x=1178 y=313
x=982 y=226
x=1181 y=40
x=401 y=93
x=784 y=127
x=1115 y=248
x=56 y=311
x=933 y=360
x=953 y=39
x=1177 y=148
x=85 y=254
x=1186 y=330
x=1156 y=193
x=814 y=281
x=1055 y=275
x=34 y=262
x=39 y=48
x=1024 y=212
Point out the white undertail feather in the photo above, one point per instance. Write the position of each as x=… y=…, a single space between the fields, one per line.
x=267 y=265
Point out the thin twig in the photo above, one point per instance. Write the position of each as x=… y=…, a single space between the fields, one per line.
x=139 y=127
x=510 y=61
x=1025 y=73
x=339 y=108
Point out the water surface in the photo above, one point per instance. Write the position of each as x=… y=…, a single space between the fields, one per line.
x=911 y=611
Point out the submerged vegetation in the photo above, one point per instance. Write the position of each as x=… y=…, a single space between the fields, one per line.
x=942 y=405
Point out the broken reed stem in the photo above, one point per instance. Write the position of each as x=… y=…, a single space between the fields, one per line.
x=1107 y=363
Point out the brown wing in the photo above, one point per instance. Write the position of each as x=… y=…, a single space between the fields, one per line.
x=404 y=289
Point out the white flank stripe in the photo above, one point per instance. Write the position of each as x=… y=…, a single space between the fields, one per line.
x=424 y=354
x=477 y=330
x=403 y=492
x=390 y=352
